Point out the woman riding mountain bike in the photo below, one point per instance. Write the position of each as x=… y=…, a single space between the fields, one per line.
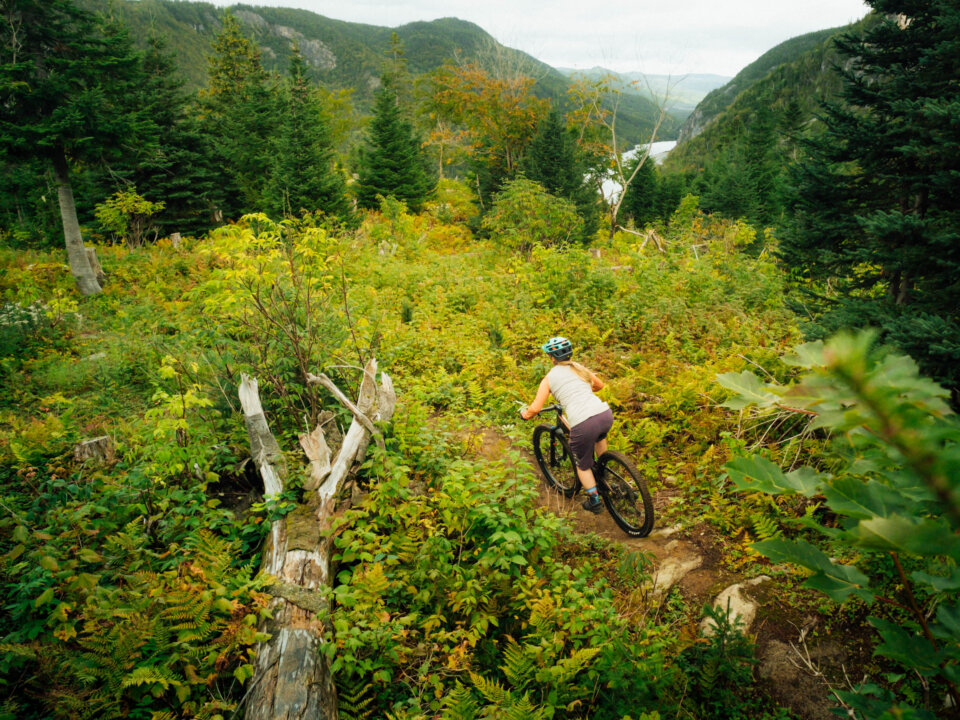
x=588 y=417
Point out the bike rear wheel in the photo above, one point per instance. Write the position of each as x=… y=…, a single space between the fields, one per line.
x=625 y=493
x=553 y=455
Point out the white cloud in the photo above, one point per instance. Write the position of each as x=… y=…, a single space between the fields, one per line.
x=652 y=36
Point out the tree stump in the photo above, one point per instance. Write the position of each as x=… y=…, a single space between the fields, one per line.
x=292 y=679
x=95 y=263
x=99 y=449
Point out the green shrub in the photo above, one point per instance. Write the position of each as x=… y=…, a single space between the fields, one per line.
x=524 y=214
x=893 y=493
x=127 y=215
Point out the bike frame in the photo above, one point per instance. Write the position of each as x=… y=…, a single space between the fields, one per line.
x=558 y=426
x=561 y=426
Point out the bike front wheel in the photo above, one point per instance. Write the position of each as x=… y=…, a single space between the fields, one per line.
x=625 y=493
x=553 y=455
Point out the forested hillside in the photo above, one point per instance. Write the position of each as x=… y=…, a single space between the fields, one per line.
x=344 y=55
x=786 y=53
x=267 y=353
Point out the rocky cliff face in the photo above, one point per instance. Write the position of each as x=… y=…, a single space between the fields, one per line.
x=692 y=126
x=708 y=109
x=315 y=52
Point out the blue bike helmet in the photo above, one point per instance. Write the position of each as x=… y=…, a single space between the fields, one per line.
x=558 y=347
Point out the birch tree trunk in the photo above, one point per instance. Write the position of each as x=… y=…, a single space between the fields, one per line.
x=76 y=253
x=292 y=680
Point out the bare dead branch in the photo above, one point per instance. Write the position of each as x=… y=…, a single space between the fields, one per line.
x=326 y=382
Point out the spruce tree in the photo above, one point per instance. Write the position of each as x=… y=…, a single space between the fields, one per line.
x=877 y=199
x=65 y=78
x=553 y=160
x=240 y=117
x=304 y=175
x=642 y=201
x=179 y=166
x=393 y=162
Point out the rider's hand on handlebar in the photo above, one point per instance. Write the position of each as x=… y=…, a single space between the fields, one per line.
x=523 y=413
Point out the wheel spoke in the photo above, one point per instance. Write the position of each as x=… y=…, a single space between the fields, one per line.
x=626 y=494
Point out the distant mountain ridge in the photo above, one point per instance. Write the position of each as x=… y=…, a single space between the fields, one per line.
x=723 y=97
x=344 y=54
x=789 y=83
x=683 y=92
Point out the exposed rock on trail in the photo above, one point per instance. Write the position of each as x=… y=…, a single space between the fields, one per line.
x=678 y=562
x=739 y=607
x=689 y=558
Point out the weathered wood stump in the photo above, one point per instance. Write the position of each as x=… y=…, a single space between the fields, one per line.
x=99 y=449
x=292 y=679
x=95 y=263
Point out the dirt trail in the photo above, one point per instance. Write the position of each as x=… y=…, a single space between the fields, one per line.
x=673 y=550
x=690 y=558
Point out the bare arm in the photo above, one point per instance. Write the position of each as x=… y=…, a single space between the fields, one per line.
x=595 y=383
x=538 y=402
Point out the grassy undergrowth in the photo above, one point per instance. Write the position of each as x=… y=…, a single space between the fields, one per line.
x=130 y=587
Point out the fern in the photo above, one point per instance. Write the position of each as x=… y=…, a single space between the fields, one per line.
x=354 y=698
x=151 y=675
x=707 y=674
x=542 y=613
x=213 y=555
x=764 y=526
x=518 y=666
x=568 y=668
x=20 y=651
x=523 y=709
x=459 y=704
x=491 y=690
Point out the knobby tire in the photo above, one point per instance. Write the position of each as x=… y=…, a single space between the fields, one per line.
x=552 y=451
x=625 y=494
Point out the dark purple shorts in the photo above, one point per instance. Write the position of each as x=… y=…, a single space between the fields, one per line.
x=584 y=435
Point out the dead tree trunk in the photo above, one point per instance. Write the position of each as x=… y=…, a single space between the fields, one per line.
x=292 y=679
x=76 y=254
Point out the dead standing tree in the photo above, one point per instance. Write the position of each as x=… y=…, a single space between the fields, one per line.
x=599 y=102
x=292 y=680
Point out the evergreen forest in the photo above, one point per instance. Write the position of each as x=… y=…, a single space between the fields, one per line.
x=274 y=289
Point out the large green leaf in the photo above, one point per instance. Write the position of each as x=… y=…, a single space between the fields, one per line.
x=948 y=623
x=757 y=474
x=808 y=355
x=851 y=496
x=915 y=536
x=937 y=582
x=837 y=581
x=749 y=389
x=908 y=648
x=900 y=374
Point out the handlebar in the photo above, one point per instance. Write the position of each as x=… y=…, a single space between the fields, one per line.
x=551 y=408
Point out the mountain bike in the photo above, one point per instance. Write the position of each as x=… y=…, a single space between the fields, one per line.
x=623 y=489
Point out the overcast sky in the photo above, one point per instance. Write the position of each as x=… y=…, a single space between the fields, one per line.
x=652 y=36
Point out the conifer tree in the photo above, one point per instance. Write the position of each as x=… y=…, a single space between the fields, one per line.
x=552 y=159
x=179 y=167
x=642 y=202
x=65 y=77
x=304 y=176
x=393 y=162
x=877 y=200
x=241 y=114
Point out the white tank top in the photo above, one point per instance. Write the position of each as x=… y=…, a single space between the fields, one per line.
x=574 y=394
